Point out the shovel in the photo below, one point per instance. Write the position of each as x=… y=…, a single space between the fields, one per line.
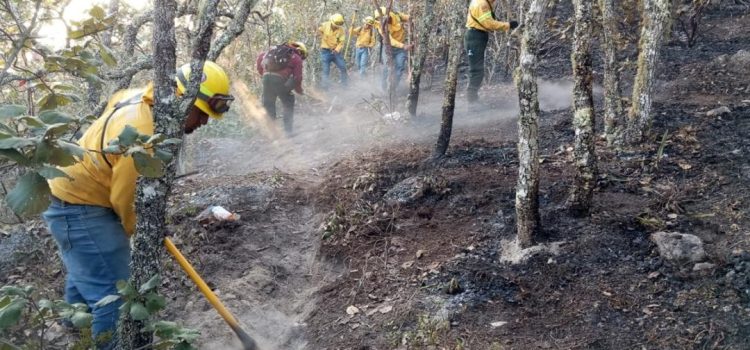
x=247 y=342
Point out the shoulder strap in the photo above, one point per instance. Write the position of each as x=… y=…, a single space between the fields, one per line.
x=492 y=11
x=131 y=101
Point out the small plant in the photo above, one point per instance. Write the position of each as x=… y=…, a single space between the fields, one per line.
x=25 y=319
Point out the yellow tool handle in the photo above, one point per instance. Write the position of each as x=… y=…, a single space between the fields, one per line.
x=201 y=284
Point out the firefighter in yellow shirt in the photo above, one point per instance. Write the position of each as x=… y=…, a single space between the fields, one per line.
x=479 y=22
x=92 y=211
x=397 y=32
x=331 y=45
x=365 y=42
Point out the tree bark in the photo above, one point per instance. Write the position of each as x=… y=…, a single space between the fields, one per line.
x=235 y=28
x=425 y=29
x=656 y=14
x=612 y=99
x=527 y=188
x=169 y=119
x=584 y=155
x=451 y=82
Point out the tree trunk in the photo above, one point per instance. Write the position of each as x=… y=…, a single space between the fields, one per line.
x=612 y=99
x=169 y=119
x=151 y=194
x=584 y=155
x=451 y=82
x=656 y=14
x=235 y=28
x=527 y=189
x=425 y=29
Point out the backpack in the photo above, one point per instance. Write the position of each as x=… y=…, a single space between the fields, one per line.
x=278 y=58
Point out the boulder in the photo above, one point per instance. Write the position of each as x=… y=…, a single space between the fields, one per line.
x=415 y=188
x=679 y=247
x=717 y=112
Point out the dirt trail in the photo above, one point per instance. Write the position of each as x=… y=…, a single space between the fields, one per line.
x=267 y=270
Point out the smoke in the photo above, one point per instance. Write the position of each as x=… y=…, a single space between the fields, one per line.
x=331 y=125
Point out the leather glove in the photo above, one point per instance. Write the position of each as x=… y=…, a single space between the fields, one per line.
x=513 y=25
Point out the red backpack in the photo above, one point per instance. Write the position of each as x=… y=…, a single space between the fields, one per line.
x=278 y=58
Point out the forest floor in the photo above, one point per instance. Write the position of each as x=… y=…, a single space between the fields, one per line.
x=349 y=239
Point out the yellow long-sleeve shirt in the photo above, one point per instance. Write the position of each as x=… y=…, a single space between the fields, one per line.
x=332 y=37
x=365 y=36
x=481 y=17
x=93 y=181
x=396 y=29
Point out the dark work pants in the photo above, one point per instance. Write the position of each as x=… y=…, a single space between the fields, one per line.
x=475 y=42
x=275 y=86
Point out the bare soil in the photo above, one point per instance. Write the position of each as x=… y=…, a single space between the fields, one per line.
x=324 y=257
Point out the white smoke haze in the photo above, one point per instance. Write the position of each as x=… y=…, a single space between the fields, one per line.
x=343 y=121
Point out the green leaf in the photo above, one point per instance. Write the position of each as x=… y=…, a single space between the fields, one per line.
x=152 y=283
x=30 y=196
x=155 y=139
x=125 y=307
x=112 y=149
x=71 y=148
x=125 y=289
x=155 y=302
x=13 y=291
x=76 y=34
x=57 y=153
x=16 y=142
x=138 y=312
x=10 y=314
x=15 y=156
x=64 y=87
x=50 y=173
x=81 y=319
x=97 y=12
x=47 y=102
x=109 y=299
x=10 y=111
x=55 y=130
x=55 y=116
x=107 y=56
x=171 y=142
x=148 y=166
x=46 y=304
x=128 y=136
x=135 y=149
x=33 y=122
x=164 y=155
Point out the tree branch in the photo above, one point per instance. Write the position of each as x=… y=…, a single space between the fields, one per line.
x=235 y=29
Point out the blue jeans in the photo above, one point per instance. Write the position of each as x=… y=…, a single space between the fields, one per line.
x=96 y=253
x=326 y=57
x=399 y=60
x=363 y=60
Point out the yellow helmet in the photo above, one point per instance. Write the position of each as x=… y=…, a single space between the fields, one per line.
x=380 y=12
x=337 y=19
x=301 y=48
x=369 y=20
x=213 y=97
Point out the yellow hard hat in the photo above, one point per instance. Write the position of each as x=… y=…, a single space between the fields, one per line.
x=337 y=19
x=369 y=20
x=379 y=13
x=213 y=97
x=301 y=48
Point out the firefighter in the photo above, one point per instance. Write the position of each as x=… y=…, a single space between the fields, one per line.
x=480 y=20
x=281 y=69
x=331 y=45
x=92 y=213
x=365 y=42
x=397 y=32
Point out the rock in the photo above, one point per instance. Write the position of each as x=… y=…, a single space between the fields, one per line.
x=739 y=63
x=420 y=253
x=498 y=324
x=414 y=188
x=352 y=310
x=704 y=267
x=717 y=112
x=679 y=247
x=453 y=287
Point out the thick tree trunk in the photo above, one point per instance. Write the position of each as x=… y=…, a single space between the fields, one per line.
x=451 y=82
x=425 y=29
x=527 y=188
x=584 y=155
x=612 y=98
x=656 y=14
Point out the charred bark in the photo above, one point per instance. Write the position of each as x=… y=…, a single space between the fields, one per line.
x=584 y=155
x=527 y=188
x=412 y=100
x=451 y=83
x=656 y=15
x=612 y=100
